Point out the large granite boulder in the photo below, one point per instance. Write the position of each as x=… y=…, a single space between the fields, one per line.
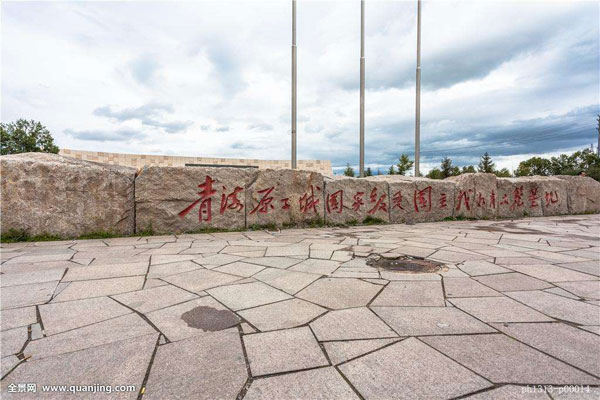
x=189 y=199
x=355 y=199
x=285 y=197
x=520 y=197
x=583 y=194
x=476 y=195
x=419 y=199
x=52 y=194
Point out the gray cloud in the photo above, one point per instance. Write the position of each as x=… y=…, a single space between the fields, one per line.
x=119 y=135
x=148 y=114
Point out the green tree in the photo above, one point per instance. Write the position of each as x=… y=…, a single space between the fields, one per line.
x=24 y=136
x=349 y=171
x=485 y=164
x=391 y=171
x=468 y=170
x=503 y=173
x=404 y=164
x=435 y=173
x=368 y=172
x=534 y=166
x=447 y=169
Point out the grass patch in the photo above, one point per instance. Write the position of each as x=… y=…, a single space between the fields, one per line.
x=372 y=221
x=20 y=235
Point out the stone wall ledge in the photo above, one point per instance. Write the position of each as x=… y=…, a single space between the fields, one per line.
x=66 y=197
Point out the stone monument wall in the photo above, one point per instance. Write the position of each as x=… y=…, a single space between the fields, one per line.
x=52 y=194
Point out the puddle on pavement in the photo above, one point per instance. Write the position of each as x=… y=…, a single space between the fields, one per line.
x=209 y=319
x=406 y=264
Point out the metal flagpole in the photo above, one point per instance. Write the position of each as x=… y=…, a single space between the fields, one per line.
x=294 y=60
x=362 y=88
x=418 y=100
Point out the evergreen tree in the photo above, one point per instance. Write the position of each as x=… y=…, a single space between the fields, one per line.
x=368 y=172
x=486 y=165
x=391 y=171
x=468 y=170
x=349 y=171
x=447 y=169
x=404 y=164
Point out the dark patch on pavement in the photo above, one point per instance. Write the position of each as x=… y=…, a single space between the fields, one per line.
x=209 y=319
x=406 y=264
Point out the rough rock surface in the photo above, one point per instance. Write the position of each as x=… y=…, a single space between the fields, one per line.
x=476 y=195
x=583 y=194
x=284 y=197
x=52 y=194
x=520 y=197
x=352 y=199
x=420 y=199
x=188 y=199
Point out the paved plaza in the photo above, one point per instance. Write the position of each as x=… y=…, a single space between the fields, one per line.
x=300 y=314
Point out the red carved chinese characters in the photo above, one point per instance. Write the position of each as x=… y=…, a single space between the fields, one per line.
x=335 y=201
x=308 y=202
x=517 y=198
x=493 y=199
x=380 y=203
x=443 y=203
x=480 y=201
x=464 y=196
x=264 y=203
x=206 y=192
x=231 y=201
x=533 y=197
x=422 y=199
x=358 y=201
x=286 y=204
x=551 y=197
x=397 y=200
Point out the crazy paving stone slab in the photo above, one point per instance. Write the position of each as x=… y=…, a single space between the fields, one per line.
x=61 y=317
x=274 y=262
x=343 y=351
x=241 y=296
x=567 y=343
x=559 y=307
x=512 y=282
x=282 y=351
x=193 y=318
x=321 y=383
x=498 y=309
x=511 y=392
x=200 y=279
x=100 y=287
x=26 y=295
x=586 y=289
x=122 y=362
x=17 y=317
x=467 y=287
x=410 y=370
x=502 y=359
x=290 y=282
x=416 y=321
x=30 y=277
x=411 y=293
x=282 y=315
x=203 y=367
x=339 y=293
x=112 y=330
x=353 y=323
x=151 y=299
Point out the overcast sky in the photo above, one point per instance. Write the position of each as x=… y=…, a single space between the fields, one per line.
x=213 y=78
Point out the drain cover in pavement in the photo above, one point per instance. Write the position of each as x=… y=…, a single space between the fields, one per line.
x=406 y=264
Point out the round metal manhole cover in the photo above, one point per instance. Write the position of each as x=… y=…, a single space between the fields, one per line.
x=406 y=264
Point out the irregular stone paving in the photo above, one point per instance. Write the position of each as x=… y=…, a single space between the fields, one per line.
x=299 y=314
